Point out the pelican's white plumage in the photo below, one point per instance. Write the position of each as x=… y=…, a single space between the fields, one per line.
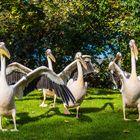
x=130 y=82
x=77 y=86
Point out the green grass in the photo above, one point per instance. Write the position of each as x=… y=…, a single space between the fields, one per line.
x=100 y=119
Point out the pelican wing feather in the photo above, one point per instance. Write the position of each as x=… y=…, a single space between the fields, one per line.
x=67 y=71
x=15 y=71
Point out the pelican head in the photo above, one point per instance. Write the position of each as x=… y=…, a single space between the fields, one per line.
x=78 y=56
x=50 y=55
x=133 y=48
x=118 y=57
x=3 y=50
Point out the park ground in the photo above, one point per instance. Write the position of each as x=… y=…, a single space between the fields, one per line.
x=100 y=118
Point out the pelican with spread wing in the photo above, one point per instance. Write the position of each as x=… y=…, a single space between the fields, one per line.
x=8 y=92
x=65 y=74
x=47 y=92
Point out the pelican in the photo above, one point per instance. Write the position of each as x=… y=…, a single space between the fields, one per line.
x=47 y=92
x=130 y=83
x=8 y=92
x=77 y=87
x=114 y=75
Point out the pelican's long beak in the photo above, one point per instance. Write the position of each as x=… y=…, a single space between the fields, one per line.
x=83 y=63
x=3 y=50
x=110 y=65
x=134 y=48
x=135 y=51
x=52 y=57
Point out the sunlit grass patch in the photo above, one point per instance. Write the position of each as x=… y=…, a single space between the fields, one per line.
x=101 y=118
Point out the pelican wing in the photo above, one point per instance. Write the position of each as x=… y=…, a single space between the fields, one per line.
x=48 y=80
x=86 y=73
x=15 y=66
x=70 y=70
x=66 y=73
x=15 y=71
x=118 y=75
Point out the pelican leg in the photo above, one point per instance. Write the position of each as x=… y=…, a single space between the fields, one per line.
x=14 y=120
x=139 y=113
x=44 y=99
x=54 y=100
x=66 y=111
x=77 y=111
x=124 y=112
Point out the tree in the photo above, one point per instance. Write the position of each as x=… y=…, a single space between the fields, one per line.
x=99 y=28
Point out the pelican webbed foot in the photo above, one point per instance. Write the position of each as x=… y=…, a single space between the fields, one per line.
x=14 y=130
x=77 y=116
x=3 y=130
x=43 y=105
x=66 y=112
x=125 y=119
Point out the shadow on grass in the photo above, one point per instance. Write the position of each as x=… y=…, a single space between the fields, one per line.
x=55 y=111
x=58 y=101
x=25 y=118
x=26 y=99
x=102 y=91
x=96 y=109
x=104 y=98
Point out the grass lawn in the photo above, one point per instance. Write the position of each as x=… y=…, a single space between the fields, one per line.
x=100 y=119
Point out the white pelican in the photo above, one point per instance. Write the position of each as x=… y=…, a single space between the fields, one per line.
x=130 y=84
x=77 y=87
x=47 y=92
x=8 y=92
x=116 y=77
x=114 y=74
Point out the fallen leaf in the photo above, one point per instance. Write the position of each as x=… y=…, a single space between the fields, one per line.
x=126 y=131
x=66 y=121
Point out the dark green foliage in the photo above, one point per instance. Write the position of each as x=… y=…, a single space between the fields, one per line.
x=98 y=28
